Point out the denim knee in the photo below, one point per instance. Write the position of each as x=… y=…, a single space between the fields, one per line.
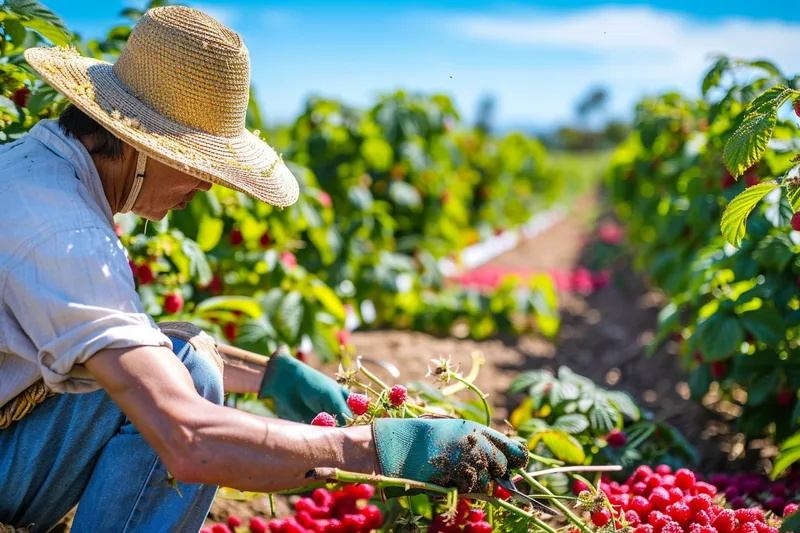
x=205 y=374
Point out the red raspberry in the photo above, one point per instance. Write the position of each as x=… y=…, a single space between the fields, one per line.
x=796 y=106
x=305 y=519
x=668 y=481
x=672 y=527
x=725 y=521
x=322 y=497
x=764 y=528
x=478 y=527
x=685 y=479
x=230 y=330
x=796 y=221
x=642 y=473
x=220 y=528
x=259 y=525
x=697 y=528
x=358 y=403
x=653 y=481
x=343 y=336
x=373 y=516
x=616 y=439
x=675 y=495
x=701 y=502
x=476 y=515
x=206 y=530
x=702 y=518
x=398 y=395
x=292 y=526
x=747 y=527
x=144 y=274
x=601 y=517
x=234 y=521
x=578 y=486
x=752 y=514
x=663 y=470
x=639 y=488
x=657 y=519
x=659 y=498
x=679 y=512
x=324 y=419
x=786 y=398
x=173 y=303
x=644 y=528
x=354 y=522
x=235 y=237
x=701 y=487
x=20 y=96
x=500 y=492
x=335 y=526
x=361 y=491
x=718 y=369
x=324 y=199
x=641 y=506
x=265 y=240
x=288 y=259
x=633 y=518
x=789 y=509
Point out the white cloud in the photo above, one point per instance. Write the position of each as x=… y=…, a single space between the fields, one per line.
x=225 y=14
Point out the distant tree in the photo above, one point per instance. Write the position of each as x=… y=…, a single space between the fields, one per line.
x=485 y=115
x=594 y=102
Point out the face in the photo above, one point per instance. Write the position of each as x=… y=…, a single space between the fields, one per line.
x=164 y=189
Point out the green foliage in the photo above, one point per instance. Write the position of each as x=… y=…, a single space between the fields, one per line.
x=721 y=249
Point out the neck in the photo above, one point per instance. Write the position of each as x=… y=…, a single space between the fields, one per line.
x=116 y=175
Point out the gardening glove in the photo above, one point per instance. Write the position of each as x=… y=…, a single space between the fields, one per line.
x=445 y=451
x=299 y=392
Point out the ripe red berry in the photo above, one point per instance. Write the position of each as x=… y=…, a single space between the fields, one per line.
x=644 y=528
x=641 y=506
x=265 y=240
x=642 y=473
x=373 y=515
x=230 y=331
x=578 y=486
x=718 y=369
x=358 y=403
x=258 y=525
x=659 y=498
x=747 y=527
x=795 y=222
x=751 y=179
x=701 y=502
x=478 y=527
x=398 y=395
x=500 y=492
x=601 y=517
x=796 y=105
x=476 y=515
x=657 y=519
x=702 y=518
x=679 y=512
x=764 y=528
x=234 y=521
x=672 y=527
x=220 y=528
x=206 y=530
x=20 y=96
x=663 y=470
x=360 y=491
x=633 y=518
x=675 y=495
x=173 y=303
x=616 y=439
x=701 y=487
x=354 y=522
x=751 y=514
x=789 y=509
x=324 y=199
x=324 y=419
x=725 y=521
x=685 y=479
x=705 y=528
x=343 y=337
x=786 y=398
x=639 y=488
x=144 y=274
x=236 y=237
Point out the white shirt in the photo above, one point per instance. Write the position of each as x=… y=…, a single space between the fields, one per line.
x=66 y=288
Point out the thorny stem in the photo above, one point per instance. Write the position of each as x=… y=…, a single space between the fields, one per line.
x=272 y=505
x=371 y=376
x=545 y=460
x=477 y=391
x=577 y=468
x=560 y=506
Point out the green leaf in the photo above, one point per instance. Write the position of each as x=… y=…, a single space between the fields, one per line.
x=209 y=232
x=793 y=195
x=360 y=198
x=563 y=391
x=762 y=388
x=404 y=194
x=572 y=424
x=290 y=316
x=198 y=263
x=43 y=97
x=766 y=324
x=245 y=304
x=326 y=347
x=735 y=216
x=623 y=401
x=603 y=416
x=15 y=30
x=49 y=31
x=788 y=454
x=699 y=382
x=748 y=142
x=564 y=447
x=329 y=300
x=720 y=336
x=791 y=524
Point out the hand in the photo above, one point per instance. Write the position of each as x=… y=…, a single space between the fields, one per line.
x=300 y=392
x=445 y=451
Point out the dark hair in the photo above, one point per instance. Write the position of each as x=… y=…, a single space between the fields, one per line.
x=76 y=123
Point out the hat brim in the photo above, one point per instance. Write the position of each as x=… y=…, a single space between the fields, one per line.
x=243 y=163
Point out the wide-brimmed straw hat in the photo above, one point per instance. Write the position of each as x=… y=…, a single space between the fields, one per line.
x=178 y=93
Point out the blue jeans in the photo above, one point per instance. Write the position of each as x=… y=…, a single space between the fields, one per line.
x=81 y=449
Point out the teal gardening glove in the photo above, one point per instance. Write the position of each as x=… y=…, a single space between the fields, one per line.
x=300 y=392
x=445 y=451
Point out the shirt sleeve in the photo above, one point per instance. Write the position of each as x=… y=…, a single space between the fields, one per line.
x=73 y=295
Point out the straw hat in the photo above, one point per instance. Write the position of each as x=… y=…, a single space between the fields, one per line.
x=178 y=93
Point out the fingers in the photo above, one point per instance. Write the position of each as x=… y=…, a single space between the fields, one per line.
x=515 y=452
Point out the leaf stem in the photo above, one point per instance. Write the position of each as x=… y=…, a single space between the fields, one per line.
x=477 y=391
x=576 y=468
x=560 y=506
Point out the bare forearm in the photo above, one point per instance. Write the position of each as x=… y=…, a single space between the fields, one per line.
x=243 y=370
x=236 y=449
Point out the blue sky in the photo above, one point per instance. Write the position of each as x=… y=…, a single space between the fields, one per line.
x=536 y=58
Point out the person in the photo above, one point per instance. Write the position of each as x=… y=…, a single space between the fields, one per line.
x=133 y=428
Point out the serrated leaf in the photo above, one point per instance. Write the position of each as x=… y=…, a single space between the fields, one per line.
x=603 y=416
x=528 y=379
x=49 y=31
x=563 y=391
x=245 y=304
x=766 y=324
x=198 y=263
x=793 y=195
x=788 y=454
x=623 y=401
x=290 y=316
x=734 y=219
x=748 y=142
x=564 y=447
x=762 y=388
x=699 y=382
x=572 y=424
x=720 y=336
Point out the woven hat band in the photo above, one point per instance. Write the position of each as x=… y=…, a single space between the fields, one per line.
x=189 y=67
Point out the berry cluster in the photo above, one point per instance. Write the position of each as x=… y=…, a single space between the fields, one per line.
x=467 y=519
x=662 y=502
x=745 y=489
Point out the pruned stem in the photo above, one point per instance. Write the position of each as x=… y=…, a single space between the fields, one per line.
x=576 y=468
x=572 y=517
x=480 y=394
